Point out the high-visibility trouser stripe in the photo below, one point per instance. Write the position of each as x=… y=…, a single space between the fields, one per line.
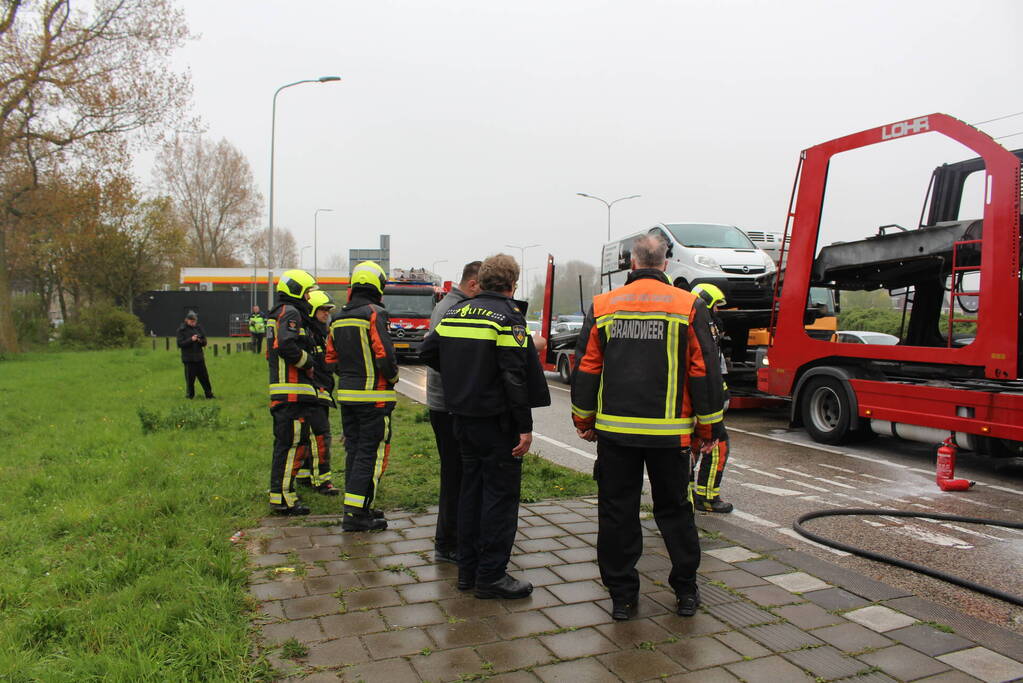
x=360 y=396
x=711 y=418
x=671 y=395
x=579 y=412
x=709 y=487
x=349 y=322
x=282 y=388
x=606 y=320
x=383 y=453
x=287 y=483
x=354 y=500
x=644 y=425
x=367 y=358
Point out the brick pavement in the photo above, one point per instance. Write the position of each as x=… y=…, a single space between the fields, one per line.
x=373 y=607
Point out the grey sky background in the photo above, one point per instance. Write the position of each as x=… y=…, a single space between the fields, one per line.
x=460 y=126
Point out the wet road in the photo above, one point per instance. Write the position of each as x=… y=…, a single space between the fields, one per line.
x=776 y=474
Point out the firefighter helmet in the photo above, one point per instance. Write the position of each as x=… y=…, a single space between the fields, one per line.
x=319 y=299
x=296 y=283
x=711 y=294
x=369 y=273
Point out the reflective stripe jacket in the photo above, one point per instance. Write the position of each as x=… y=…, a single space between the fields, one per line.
x=647 y=367
x=487 y=362
x=322 y=375
x=290 y=350
x=359 y=350
x=257 y=323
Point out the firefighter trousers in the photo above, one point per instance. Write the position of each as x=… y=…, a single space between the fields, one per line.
x=446 y=536
x=619 y=475
x=709 y=468
x=289 y=419
x=196 y=370
x=488 y=510
x=367 y=429
x=314 y=461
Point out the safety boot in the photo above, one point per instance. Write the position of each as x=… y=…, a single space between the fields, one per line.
x=327 y=489
x=362 y=521
x=711 y=504
x=289 y=510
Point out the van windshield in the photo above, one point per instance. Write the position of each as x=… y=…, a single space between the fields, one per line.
x=703 y=236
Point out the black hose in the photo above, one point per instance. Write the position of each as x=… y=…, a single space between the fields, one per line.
x=905 y=564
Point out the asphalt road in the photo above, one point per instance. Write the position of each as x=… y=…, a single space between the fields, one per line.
x=775 y=474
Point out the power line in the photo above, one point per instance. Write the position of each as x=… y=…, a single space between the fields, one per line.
x=999 y=118
x=1010 y=135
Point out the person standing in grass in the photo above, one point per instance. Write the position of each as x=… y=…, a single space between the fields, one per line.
x=445 y=541
x=294 y=394
x=257 y=328
x=314 y=471
x=191 y=340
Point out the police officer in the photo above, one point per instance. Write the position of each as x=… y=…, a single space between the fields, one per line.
x=445 y=547
x=257 y=328
x=191 y=340
x=710 y=466
x=294 y=394
x=491 y=377
x=315 y=469
x=646 y=370
x=359 y=350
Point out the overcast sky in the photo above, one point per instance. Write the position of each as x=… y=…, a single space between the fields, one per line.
x=463 y=125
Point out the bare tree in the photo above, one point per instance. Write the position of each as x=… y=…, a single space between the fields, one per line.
x=75 y=82
x=215 y=195
x=337 y=261
x=285 y=249
x=566 y=288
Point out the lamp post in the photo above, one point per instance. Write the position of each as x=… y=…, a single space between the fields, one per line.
x=433 y=268
x=608 y=205
x=301 y=255
x=522 y=261
x=316 y=260
x=270 y=229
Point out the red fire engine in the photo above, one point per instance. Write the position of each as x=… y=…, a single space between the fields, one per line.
x=410 y=297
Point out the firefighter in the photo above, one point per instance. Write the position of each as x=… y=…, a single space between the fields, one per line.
x=315 y=469
x=445 y=547
x=257 y=328
x=710 y=466
x=645 y=374
x=359 y=350
x=191 y=340
x=491 y=377
x=294 y=393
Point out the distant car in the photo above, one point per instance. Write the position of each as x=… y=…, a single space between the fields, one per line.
x=861 y=337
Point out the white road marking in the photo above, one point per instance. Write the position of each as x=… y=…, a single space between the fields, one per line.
x=871 y=476
x=871 y=523
x=772 y=490
x=835 y=467
x=754 y=519
x=766 y=474
x=931 y=537
x=551 y=386
x=561 y=444
x=808 y=486
x=973 y=533
x=793 y=534
x=820 y=479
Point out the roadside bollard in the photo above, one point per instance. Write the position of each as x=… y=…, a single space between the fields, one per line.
x=166 y=343
x=227 y=348
x=214 y=350
x=154 y=344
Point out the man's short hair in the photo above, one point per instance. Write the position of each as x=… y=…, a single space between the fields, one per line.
x=498 y=273
x=649 y=251
x=470 y=272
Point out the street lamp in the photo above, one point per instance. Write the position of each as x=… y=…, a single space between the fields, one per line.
x=433 y=268
x=301 y=255
x=522 y=261
x=270 y=229
x=316 y=261
x=608 y=205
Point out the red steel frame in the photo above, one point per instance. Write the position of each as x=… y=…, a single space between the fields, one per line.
x=996 y=345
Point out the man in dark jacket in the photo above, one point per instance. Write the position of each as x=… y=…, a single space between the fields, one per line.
x=445 y=541
x=191 y=340
x=359 y=350
x=491 y=377
x=294 y=390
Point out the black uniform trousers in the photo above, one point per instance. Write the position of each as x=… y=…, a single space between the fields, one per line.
x=288 y=421
x=257 y=341
x=314 y=463
x=367 y=428
x=196 y=370
x=488 y=511
x=619 y=475
x=446 y=535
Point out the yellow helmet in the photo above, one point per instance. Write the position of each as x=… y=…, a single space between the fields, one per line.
x=320 y=299
x=296 y=283
x=711 y=294
x=369 y=273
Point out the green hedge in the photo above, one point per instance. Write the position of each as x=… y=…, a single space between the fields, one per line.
x=102 y=326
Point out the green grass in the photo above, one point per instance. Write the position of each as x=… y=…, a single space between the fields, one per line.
x=120 y=497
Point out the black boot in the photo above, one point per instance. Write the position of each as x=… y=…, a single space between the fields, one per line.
x=506 y=587
x=289 y=510
x=711 y=504
x=623 y=609
x=687 y=603
x=362 y=521
x=327 y=489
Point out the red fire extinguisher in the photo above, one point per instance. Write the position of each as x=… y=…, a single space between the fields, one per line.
x=946 y=468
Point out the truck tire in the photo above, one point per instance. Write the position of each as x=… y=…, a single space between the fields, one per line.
x=564 y=370
x=826 y=410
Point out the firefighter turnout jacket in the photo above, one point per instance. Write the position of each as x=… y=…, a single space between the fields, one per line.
x=646 y=369
x=489 y=366
x=291 y=355
x=360 y=351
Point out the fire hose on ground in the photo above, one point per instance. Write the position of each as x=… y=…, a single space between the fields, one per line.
x=906 y=564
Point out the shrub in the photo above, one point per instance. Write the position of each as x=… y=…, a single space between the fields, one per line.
x=180 y=417
x=31 y=321
x=102 y=326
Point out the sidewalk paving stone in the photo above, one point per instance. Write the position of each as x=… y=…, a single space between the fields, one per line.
x=826 y=662
x=986 y=665
x=715 y=675
x=808 y=615
x=396 y=643
x=699 y=653
x=904 y=663
x=449 y=665
x=633 y=666
x=336 y=653
x=929 y=640
x=879 y=618
x=798 y=582
x=585 y=642
x=462 y=634
x=768 y=670
x=733 y=554
x=589 y=670
x=634 y=633
x=850 y=637
x=521 y=624
x=515 y=654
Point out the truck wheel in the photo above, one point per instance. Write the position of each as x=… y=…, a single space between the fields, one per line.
x=826 y=410
x=564 y=371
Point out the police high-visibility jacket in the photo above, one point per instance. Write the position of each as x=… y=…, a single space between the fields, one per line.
x=487 y=362
x=257 y=323
x=290 y=353
x=646 y=369
x=360 y=351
